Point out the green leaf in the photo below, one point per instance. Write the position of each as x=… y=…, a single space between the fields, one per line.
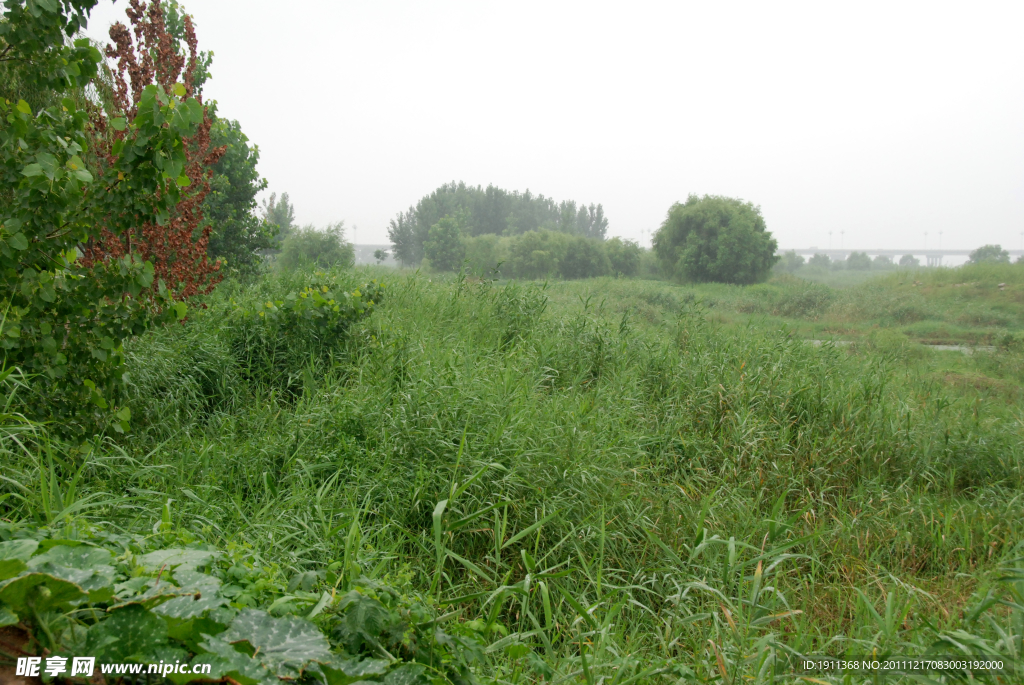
x=190 y=606
x=87 y=567
x=339 y=672
x=225 y=661
x=184 y=181
x=136 y=632
x=13 y=556
x=171 y=558
x=77 y=556
x=119 y=123
x=7 y=616
x=23 y=107
x=32 y=170
x=41 y=590
x=407 y=674
x=180 y=310
x=202 y=597
x=285 y=645
x=178 y=89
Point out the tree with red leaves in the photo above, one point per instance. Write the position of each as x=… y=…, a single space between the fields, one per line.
x=101 y=231
x=177 y=246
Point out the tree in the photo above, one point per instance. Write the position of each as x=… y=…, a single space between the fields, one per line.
x=821 y=261
x=178 y=246
x=308 y=247
x=239 y=233
x=584 y=258
x=537 y=254
x=73 y=175
x=280 y=214
x=858 y=261
x=405 y=231
x=790 y=261
x=490 y=211
x=989 y=254
x=380 y=255
x=444 y=246
x=715 y=238
x=882 y=262
x=624 y=256
x=909 y=260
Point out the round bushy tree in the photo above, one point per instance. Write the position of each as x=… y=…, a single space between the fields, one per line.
x=584 y=258
x=715 y=238
x=791 y=261
x=624 y=256
x=309 y=247
x=858 y=261
x=822 y=261
x=991 y=254
x=909 y=260
x=444 y=247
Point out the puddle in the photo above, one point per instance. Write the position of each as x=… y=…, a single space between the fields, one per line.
x=965 y=349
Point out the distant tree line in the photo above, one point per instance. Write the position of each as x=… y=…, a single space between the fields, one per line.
x=791 y=262
x=537 y=254
x=489 y=211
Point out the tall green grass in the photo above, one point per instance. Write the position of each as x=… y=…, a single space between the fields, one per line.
x=599 y=468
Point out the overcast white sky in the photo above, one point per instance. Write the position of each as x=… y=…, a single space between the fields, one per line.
x=883 y=120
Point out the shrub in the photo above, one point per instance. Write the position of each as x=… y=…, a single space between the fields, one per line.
x=276 y=340
x=990 y=254
x=308 y=247
x=584 y=258
x=822 y=261
x=139 y=599
x=790 y=262
x=714 y=238
x=624 y=256
x=537 y=254
x=486 y=252
x=909 y=260
x=444 y=246
x=858 y=261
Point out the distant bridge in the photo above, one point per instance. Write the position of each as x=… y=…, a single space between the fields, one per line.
x=933 y=257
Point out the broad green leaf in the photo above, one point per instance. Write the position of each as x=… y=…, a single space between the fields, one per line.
x=128 y=632
x=284 y=645
x=225 y=661
x=87 y=567
x=79 y=556
x=407 y=674
x=136 y=632
x=119 y=123
x=178 y=89
x=171 y=558
x=13 y=556
x=346 y=672
x=202 y=597
x=7 y=616
x=184 y=181
x=42 y=591
x=23 y=107
x=32 y=170
x=195 y=110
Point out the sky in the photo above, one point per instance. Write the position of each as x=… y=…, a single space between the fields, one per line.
x=884 y=123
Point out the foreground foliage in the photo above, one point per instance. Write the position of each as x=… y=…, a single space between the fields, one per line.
x=628 y=490
x=146 y=599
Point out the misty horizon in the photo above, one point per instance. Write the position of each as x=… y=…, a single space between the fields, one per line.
x=881 y=121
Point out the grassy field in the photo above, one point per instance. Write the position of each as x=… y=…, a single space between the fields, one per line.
x=639 y=481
